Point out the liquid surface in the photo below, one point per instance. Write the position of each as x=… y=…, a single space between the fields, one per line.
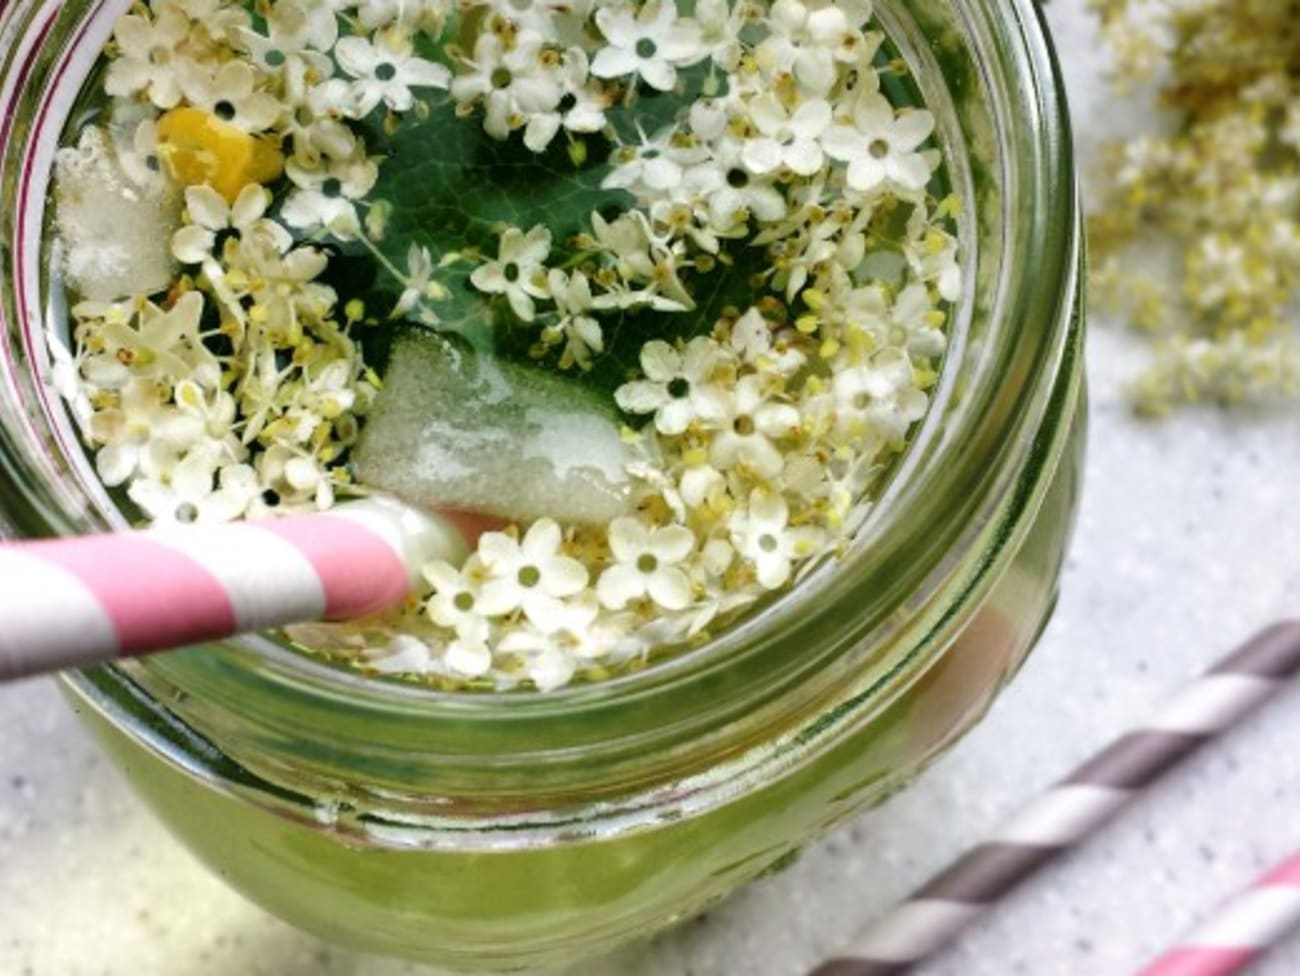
x=662 y=288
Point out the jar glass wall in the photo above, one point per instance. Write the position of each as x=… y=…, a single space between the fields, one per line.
x=494 y=831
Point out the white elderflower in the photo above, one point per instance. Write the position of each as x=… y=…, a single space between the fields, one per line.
x=455 y=602
x=204 y=486
x=551 y=655
x=518 y=271
x=293 y=27
x=408 y=15
x=881 y=146
x=314 y=126
x=140 y=341
x=327 y=193
x=932 y=255
x=208 y=482
x=142 y=434
x=650 y=42
x=756 y=345
x=909 y=322
x=385 y=69
x=545 y=659
x=513 y=83
x=648 y=563
x=214 y=23
x=810 y=41
x=294 y=49
x=748 y=428
x=150 y=46
x=212 y=217
x=230 y=93
x=702 y=485
x=279 y=282
x=579 y=331
x=914 y=323
x=399 y=654
x=653 y=167
x=581 y=106
x=879 y=398
x=299 y=479
x=762 y=534
x=419 y=286
x=532 y=574
x=742 y=193
x=468 y=654
x=135 y=139
x=560 y=21
x=786 y=138
x=687 y=212
x=551 y=669
x=721 y=22
x=640 y=258
x=679 y=388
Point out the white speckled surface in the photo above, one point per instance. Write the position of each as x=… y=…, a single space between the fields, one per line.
x=1185 y=545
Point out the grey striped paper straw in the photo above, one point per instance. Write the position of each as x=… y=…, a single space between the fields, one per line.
x=1074 y=808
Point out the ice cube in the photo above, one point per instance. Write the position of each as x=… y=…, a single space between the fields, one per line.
x=457 y=430
x=115 y=231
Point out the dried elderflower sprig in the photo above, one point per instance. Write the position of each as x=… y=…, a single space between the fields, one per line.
x=1222 y=189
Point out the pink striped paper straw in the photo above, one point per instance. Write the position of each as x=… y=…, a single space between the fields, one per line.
x=80 y=601
x=1074 y=808
x=1235 y=935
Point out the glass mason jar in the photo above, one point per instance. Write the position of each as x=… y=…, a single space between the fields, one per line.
x=483 y=831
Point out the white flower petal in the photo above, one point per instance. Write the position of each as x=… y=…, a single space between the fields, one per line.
x=761 y=155
x=116 y=463
x=866 y=173
x=469 y=658
x=521 y=303
x=489 y=278
x=563 y=577
x=670 y=588
x=811 y=118
x=804 y=157
x=551 y=669
x=911 y=129
x=355 y=55
x=619 y=585
x=640 y=397
x=773 y=571
x=249 y=206
x=541 y=541
x=498 y=597
x=910 y=171
x=658 y=74
x=418 y=73
x=674 y=417
x=776 y=419
x=541 y=130
x=193 y=244
x=614 y=62
x=207 y=207
x=628 y=539
x=843 y=142
x=672 y=543
x=660 y=361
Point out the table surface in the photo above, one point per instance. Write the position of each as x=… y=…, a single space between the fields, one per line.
x=1184 y=546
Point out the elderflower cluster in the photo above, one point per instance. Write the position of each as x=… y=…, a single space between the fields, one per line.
x=1222 y=188
x=768 y=420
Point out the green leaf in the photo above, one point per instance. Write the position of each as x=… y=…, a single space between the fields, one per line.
x=453 y=188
